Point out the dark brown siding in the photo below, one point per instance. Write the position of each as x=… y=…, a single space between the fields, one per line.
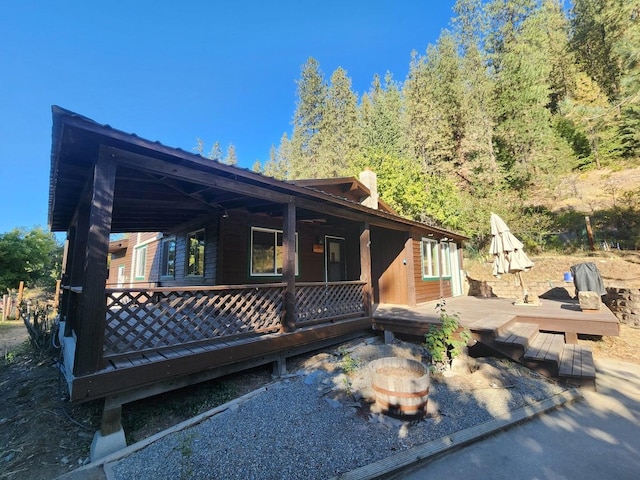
x=235 y=234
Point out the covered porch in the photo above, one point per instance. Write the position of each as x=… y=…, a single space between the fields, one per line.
x=248 y=270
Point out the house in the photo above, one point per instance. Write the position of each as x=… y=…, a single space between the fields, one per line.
x=246 y=269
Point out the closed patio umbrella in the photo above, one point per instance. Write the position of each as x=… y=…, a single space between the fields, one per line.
x=508 y=251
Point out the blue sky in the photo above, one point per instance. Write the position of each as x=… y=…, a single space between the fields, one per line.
x=175 y=71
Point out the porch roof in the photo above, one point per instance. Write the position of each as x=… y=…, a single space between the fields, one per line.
x=158 y=188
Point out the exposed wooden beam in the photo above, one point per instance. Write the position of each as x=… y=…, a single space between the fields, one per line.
x=89 y=355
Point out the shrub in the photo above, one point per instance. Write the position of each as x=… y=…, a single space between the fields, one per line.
x=447 y=340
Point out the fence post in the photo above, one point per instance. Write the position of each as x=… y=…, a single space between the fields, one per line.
x=20 y=292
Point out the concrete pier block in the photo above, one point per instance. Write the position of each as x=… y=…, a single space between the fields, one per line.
x=101 y=446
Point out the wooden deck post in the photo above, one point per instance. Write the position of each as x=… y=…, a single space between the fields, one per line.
x=289 y=265
x=365 y=265
x=93 y=306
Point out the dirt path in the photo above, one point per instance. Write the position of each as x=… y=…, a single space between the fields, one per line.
x=13 y=334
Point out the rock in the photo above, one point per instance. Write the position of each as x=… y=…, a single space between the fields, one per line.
x=589 y=300
x=333 y=403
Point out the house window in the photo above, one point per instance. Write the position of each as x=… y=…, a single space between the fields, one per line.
x=140 y=262
x=267 y=252
x=446 y=260
x=430 y=258
x=168 y=258
x=195 y=246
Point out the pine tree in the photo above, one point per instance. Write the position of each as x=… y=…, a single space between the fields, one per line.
x=381 y=111
x=231 y=158
x=307 y=120
x=339 y=133
x=479 y=170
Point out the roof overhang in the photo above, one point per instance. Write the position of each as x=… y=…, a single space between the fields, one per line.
x=159 y=188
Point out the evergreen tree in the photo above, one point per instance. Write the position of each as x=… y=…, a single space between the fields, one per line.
x=479 y=170
x=433 y=102
x=338 y=134
x=592 y=115
x=278 y=165
x=307 y=120
x=381 y=111
x=231 y=158
x=527 y=144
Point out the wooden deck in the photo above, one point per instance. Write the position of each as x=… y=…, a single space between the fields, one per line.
x=541 y=337
x=147 y=373
x=489 y=314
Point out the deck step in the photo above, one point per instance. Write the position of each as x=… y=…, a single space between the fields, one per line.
x=546 y=347
x=519 y=334
x=577 y=361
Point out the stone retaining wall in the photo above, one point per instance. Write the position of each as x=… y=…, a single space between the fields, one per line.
x=507 y=287
x=625 y=304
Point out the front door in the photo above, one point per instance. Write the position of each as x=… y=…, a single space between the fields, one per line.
x=335 y=264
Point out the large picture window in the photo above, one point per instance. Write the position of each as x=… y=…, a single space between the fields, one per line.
x=140 y=265
x=430 y=258
x=195 y=251
x=168 y=257
x=267 y=252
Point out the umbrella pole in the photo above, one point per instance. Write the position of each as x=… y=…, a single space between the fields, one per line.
x=524 y=289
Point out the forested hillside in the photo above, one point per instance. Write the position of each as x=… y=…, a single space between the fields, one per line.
x=516 y=99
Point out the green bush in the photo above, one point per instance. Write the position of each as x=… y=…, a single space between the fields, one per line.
x=447 y=340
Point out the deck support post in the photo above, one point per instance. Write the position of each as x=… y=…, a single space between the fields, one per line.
x=110 y=438
x=365 y=266
x=92 y=311
x=571 y=338
x=289 y=265
x=280 y=366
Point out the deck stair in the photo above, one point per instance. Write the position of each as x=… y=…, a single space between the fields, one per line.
x=544 y=352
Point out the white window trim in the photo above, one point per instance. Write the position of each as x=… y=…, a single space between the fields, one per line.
x=275 y=233
x=140 y=253
x=428 y=263
x=445 y=260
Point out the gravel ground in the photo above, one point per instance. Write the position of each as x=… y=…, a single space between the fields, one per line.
x=318 y=423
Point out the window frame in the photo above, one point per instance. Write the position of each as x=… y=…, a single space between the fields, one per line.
x=429 y=246
x=275 y=233
x=445 y=260
x=163 y=253
x=140 y=260
x=187 y=266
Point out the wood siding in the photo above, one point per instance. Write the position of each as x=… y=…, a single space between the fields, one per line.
x=427 y=289
x=235 y=247
x=389 y=266
x=210 y=225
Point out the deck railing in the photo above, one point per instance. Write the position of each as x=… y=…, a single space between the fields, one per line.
x=151 y=319
x=319 y=302
x=156 y=318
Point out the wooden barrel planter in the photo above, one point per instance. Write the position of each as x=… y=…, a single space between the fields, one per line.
x=401 y=386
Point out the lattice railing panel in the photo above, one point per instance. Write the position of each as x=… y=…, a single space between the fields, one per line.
x=316 y=302
x=150 y=319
